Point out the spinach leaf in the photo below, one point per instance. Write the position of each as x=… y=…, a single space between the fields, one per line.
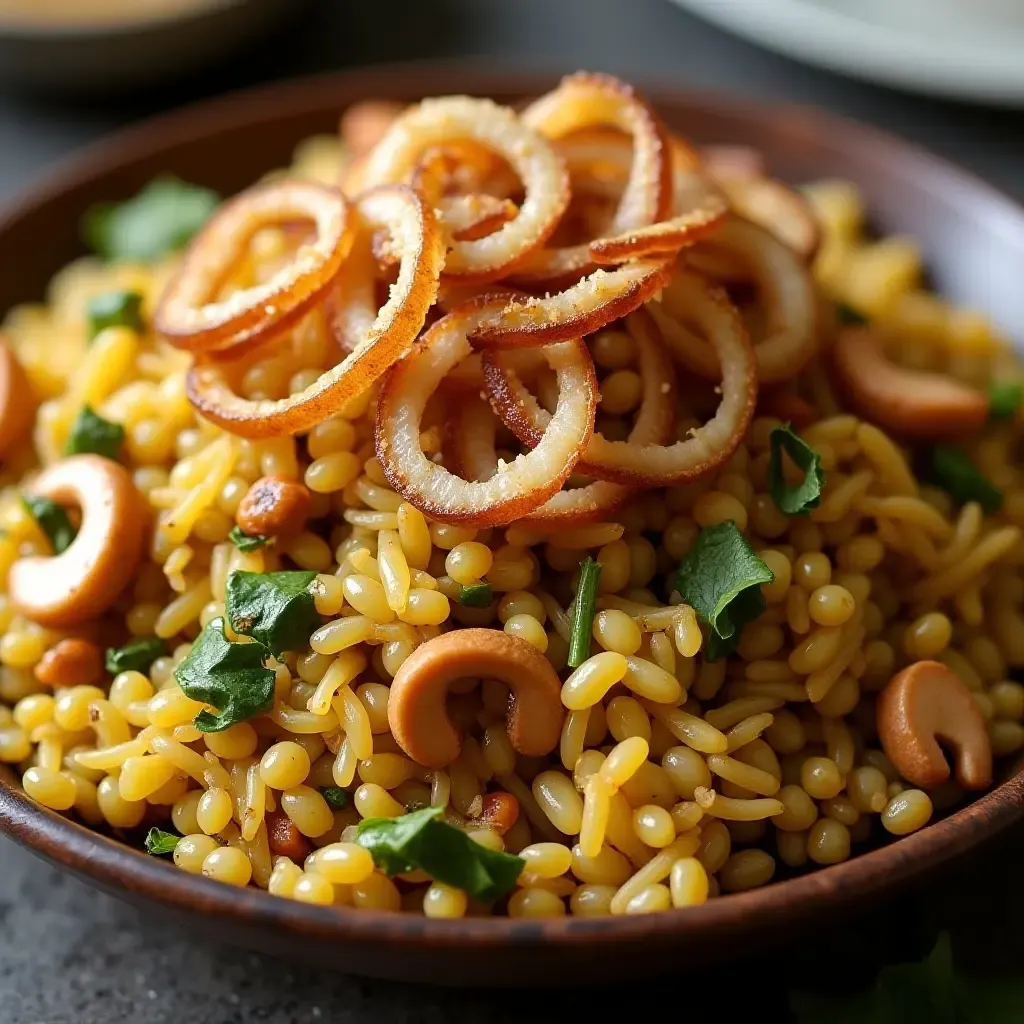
x=93 y=434
x=447 y=854
x=275 y=608
x=230 y=676
x=53 y=521
x=848 y=316
x=720 y=579
x=244 y=542
x=584 y=606
x=114 y=309
x=951 y=469
x=159 y=842
x=1004 y=399
x=475 y=595
x=798 y=500
x=136 y=656
x=335 y=796
x=162 y=218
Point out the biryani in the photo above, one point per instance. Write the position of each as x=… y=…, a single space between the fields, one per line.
x=503 y=512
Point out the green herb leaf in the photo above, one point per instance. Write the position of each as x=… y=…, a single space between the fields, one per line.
x=229 y=676
x=583 y=609
x=848 y=316
x=475 y=595
x=53 y=521
x=136 y=656
x=1004 y=399
x=162 y=218
x=951 y=469
x=159 y=842
x=798 y=500
x=93 y=434
x=244 y=542
x=114 y=309
x=720 y=579
x=275 y=608
x=335 y=796
x=932 y=990
x=447 y=854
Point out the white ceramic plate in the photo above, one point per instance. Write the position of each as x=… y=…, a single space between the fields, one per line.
x=963 y=49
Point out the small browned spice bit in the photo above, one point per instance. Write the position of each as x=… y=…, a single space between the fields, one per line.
x=285 y=839
x=273 y=507
x=70 y=662
x=500 y=811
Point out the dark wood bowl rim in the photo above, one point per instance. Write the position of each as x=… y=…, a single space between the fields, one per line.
x=116 y=866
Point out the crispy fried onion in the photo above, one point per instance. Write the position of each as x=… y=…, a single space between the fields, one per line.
x=470 y=452
x=587 y=306
x=191 y=316
x=587 y=101
x=787 y=299
x=641 y=459
x=607 y=460
x=518 y=487
x=765 y=201
x=697 y=210
x=435 y=122
x=414 y=224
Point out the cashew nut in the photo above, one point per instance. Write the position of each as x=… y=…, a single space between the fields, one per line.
x=87 y=578
x=909 y=402
x=16 y=402
x=416 y=707
x=924 y=703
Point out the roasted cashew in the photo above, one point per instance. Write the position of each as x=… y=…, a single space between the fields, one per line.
x=16 y=402
x=913 y=403
x=416 y=707
x=83 y=581
x=924 y=703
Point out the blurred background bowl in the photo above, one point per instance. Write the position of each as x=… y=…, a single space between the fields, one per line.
x=70 y=45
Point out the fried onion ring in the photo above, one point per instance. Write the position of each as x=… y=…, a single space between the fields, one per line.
x=657 y=465
x=586 y=101
x=607 y=460
x=787 y=296
x=587 y=306
x=191 y=317
x=435 y=122
x=518 y=488
x=470 y=453
x=399 y=321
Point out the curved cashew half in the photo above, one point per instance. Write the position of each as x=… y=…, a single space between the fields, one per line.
x=924 y=703
x=909 y=402
x=86 y=579
x=16 y=401
x=416 y=707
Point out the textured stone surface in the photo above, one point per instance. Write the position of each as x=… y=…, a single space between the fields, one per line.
x=69 y=955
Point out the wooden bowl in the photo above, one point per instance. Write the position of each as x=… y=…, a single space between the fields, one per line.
x=974 y=238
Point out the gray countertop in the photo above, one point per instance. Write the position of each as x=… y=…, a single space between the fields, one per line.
x=69 y=955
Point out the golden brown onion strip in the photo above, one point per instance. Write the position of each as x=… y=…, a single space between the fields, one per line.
x=657 y=465
x=786 y=294
x=418 y=236
x=587 y=306
x=606 y=460
x=469 y=451
x=434 y=123
x=517 y=488
x=191 y=317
